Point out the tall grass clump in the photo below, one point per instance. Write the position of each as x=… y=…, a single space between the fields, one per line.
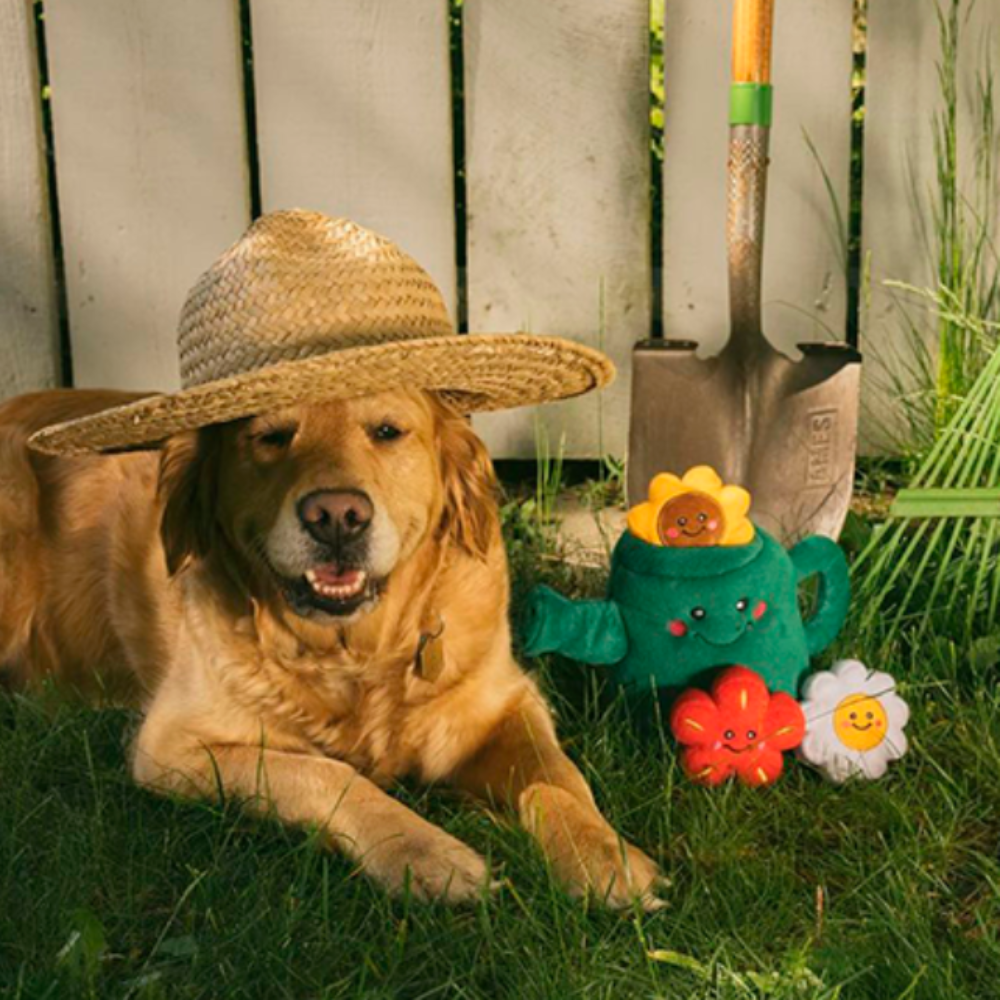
x=944 y=343
x=936 y=564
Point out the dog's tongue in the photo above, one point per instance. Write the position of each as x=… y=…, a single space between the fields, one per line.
x=333 y=576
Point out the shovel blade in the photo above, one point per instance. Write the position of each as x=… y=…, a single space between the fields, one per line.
x=786 y=430
x=685 y=412
x=801 y=472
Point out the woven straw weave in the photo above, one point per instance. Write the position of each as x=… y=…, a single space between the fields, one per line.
x=305 y=308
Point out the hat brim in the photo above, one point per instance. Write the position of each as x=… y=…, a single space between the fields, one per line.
x=476 y=372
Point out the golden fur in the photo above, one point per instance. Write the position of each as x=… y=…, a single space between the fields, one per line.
x=146 y=577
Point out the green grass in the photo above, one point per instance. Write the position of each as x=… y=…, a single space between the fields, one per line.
x=933 y=367
x=805 y=890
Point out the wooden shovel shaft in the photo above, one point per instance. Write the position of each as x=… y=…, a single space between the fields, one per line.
x=748 y=154
x=753 y=22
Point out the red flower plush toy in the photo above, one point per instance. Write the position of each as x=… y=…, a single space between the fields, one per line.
x=740 y=728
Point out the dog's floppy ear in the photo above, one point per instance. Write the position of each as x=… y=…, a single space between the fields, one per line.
x=470 y=515
x=187 y=491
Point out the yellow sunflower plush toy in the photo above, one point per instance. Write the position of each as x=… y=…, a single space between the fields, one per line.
x=694 y=511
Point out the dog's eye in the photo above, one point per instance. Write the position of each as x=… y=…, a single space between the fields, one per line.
x=277 y=437
x=386 y=432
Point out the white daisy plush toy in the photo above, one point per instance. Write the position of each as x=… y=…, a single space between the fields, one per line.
x=854 y=721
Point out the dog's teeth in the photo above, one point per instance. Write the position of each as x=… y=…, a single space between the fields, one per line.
x=333 y=591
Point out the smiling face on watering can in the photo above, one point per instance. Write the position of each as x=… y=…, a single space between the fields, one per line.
x=689 y=611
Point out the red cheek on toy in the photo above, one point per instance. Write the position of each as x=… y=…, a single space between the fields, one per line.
x=677 y=628
x=758 y=612
x=673 y=533
x=878 y=725
x=712 y=525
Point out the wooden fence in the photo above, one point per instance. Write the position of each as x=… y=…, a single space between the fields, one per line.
x=163 y=142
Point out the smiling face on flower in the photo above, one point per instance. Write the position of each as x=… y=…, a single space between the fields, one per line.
x=690 y=520
x=854 y=721
x=860 y=722
x=695 y=511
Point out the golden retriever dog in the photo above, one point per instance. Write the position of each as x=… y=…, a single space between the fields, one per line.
x=307 y=606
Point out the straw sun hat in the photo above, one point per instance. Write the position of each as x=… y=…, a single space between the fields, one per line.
x=304 y=308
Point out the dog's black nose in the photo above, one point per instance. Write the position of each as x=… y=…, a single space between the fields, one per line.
x=336 y=516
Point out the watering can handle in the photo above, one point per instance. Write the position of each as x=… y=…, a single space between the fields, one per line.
x=819 y=556
x=750 y=122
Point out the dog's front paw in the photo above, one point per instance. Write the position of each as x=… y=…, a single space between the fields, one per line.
x=422 y=859
x=620 y=874
x=589 y=858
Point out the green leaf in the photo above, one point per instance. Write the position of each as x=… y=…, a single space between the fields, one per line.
x=179 y=947
x=85 y=946
x=984 y=653
x=679 y=961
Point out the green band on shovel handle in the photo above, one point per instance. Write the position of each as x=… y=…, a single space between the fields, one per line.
x=917 y=503
x=750 y=103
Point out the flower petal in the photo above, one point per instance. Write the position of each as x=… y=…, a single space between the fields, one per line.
x=642 y=522
x=896 y=744
x=702 y=477
x=784 y=724
x=663 y=487
x=815 y=748
x=735 y=501
x=741 y=695
x=741 y=534
x=761 y=768
x=694 y=719
x=875 y=762
x=897 y=711
x=821 y=692
x=851 y=674
x=705 y=765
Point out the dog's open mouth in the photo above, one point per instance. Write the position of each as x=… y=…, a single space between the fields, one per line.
x=335 y=583
x=332 y=589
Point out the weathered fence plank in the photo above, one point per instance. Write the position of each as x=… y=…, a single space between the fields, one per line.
x=902 y=96
x=354 y=118
x=805 y=286
x=29 y=326
x=557 y=157
x=151 y=160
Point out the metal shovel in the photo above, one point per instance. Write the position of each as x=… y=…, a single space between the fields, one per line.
x=786 y=430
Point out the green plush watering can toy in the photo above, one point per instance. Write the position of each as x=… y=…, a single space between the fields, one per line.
x=695 y=586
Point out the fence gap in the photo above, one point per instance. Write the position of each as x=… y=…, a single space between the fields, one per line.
x=855 y=270
x=656 y=103
x=59 y=267
x=250 y=108
x=456 y=49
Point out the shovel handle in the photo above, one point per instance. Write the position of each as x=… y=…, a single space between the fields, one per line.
x=753 y=24
x=750 y=120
